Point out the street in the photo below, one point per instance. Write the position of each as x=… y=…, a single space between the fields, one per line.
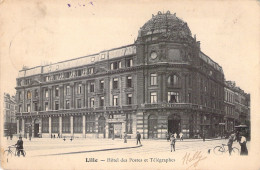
x=108 y=153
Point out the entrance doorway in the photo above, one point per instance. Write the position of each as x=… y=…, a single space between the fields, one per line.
x=174 y=123
x=36 y=128
x=152 y=126
x=115 y=130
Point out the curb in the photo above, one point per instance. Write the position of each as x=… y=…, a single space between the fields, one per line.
x=99 y=150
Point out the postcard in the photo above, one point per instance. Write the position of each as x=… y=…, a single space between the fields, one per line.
x=95 y=84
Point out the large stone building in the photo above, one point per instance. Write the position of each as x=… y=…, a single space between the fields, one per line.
x=161 y=83
x=9 y=115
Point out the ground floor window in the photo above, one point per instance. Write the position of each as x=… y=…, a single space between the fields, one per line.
x=90 y=124
x=66 y=124
x=55 y=124
x=77 y=124
x=45 y=125
x=101 y=124
x=20 y=125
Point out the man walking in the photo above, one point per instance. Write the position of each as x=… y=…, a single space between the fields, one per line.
x=138 y=138
x=181 y=136
x=173 y=140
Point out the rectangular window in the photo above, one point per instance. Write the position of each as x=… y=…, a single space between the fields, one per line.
x=28 y=95
x=92 y=87
x=115 y=65
x=153 y=97
x=129 y=81
x=67 y=74
x=56 y=91
x=55 y=124
x=56 y=105
x=20 y=95
x=102 y=99
x=115 y=83
x=67 y=104
x=77 y=124
x=173 y=97
x=115 y=100
x=79 y=72
x=45 y=125
x=153 y=79
x=35 y=106
x=20 y=108
x=129 y=62
x=66 y=124
x=67 y=90
x=129 y=99
x=90 y=70
x=46 y=106
x=101 y=84
x=78 y=103
x=79 y=88
x=46 y=93
x=36 y=93
x=90 y=124
x=189 y=98
x=28 y=107
x=92 y=102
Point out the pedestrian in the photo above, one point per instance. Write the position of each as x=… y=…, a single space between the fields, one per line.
x=181 y=136
x=242 y=142
x=19 y=146
x=203 y=136
x=125 y=137
x=173 y=140
x=138 y=137
x=58 y=135
x=175 y=135
x=231 y=139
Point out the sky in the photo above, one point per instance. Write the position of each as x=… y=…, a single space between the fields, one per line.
x=34 y=32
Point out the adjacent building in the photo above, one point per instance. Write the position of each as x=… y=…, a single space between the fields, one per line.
x=237 y=106
x=9 y=115
x=163 y=83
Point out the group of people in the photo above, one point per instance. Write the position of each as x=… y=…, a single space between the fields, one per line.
x=168 y=136
x=242 y=142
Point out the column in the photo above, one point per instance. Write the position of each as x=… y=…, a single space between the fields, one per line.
x=84 y=94
x=61 y=94
x=49 y=126
x=17 y=124
x=84 y=126
x=60 y=126
x=23 y=129
x=71 y=125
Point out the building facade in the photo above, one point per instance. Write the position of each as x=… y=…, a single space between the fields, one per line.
x=9 y=115
x=237 y=106
x=163 y=83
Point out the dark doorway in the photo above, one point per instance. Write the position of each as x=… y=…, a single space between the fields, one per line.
x=174 y=123
x=111 y=131
x=36 y=130
x=152 y=126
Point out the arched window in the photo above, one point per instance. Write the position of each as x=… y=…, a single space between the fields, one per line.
x=174 y=80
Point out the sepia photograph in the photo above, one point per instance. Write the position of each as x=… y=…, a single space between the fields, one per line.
x=97 y=84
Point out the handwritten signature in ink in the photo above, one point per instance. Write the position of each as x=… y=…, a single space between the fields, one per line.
x=193 y=160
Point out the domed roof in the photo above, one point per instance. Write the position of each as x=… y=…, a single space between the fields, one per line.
x=166 y=24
